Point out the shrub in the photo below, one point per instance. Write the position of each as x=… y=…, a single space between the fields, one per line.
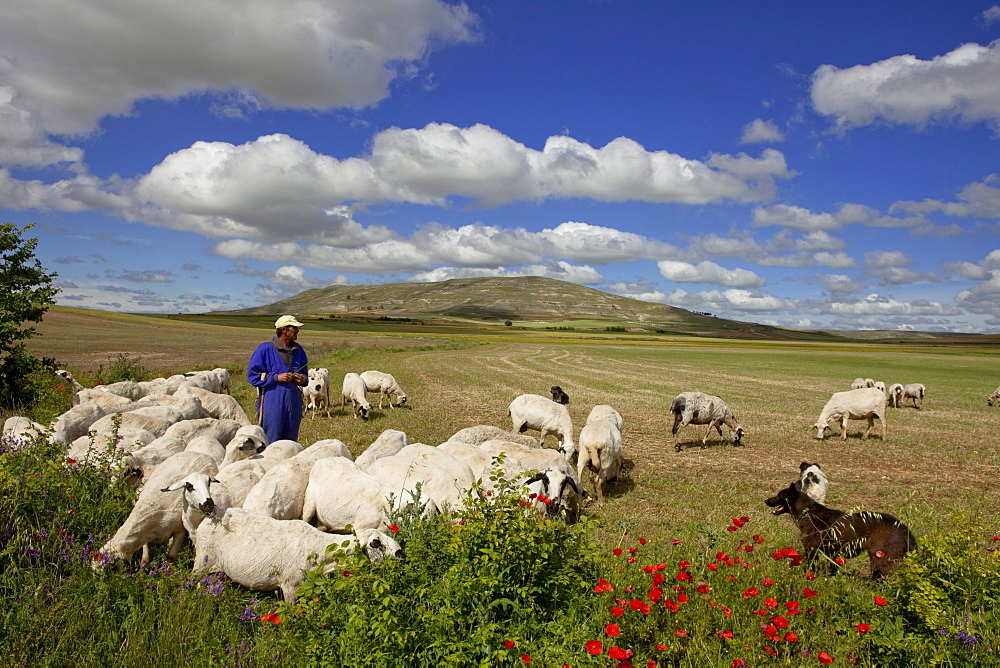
x=124 y=367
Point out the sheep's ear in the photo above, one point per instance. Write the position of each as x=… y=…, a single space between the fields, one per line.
x=176 y=486
x=211 y=480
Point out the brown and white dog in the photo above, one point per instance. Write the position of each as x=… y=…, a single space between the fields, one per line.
x=838 y=534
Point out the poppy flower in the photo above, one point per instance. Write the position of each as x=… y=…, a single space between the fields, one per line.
x=724 y=635
x=810 y=575
x=770 y=602
x=712 y=567
x=633 y=550
x=880 y=601
x=863 y=628
x=617 y=552
x=675 y=541
x=703 y=588
x=770 y=650
x=791 y=637
x=809 y=593
x=619 y=654
x=603 y=585
x=70 y=460
x=271 y=617
x=738 y=663
x=655 y=594
x=393 y=528
x=840 y=561
x=661 y=648
x=780 y=622
x=617 y=612
x=682 y=598
x=824 y=658
x=642 y=541
x=594 y=647
x=525 y=658
x=612 y=630
x=684 y=577
x=792 y=606
x=508 y=643
x=680 y=633
x=771 y=632
x=752 y=591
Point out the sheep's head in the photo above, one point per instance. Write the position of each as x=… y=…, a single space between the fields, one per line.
x=738 y=436
x=364 y=411
x=820 y=428
x=377 y=545
x=555 y=492
x=196 y=491
x=402 y=400
x=990 y=399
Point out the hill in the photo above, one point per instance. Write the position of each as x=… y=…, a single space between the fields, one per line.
x=519 y=300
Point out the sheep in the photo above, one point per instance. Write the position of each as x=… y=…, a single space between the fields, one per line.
x=317 y=391
x=858 y=383
x=205 y=495
x=879 y=385
x=106 y=447
x=484 y=432
x=554 y=491
x=109 y=401
x=207 y=445
x=171 y=444
x=153 y=418
x=895 y=394
x=189 y=407
x=864 y=404
x=813 y=482
x=277 y=452
x=354 y=391
x=700 y=408
x=561 y=484
x=281 y=491
x=404 y=475
x=67 y=378
x=993 y=397
x=245 y=443
x=459 y=470
x=533 y=411
x=327 y=447
x=75 y=422
x=264 y=554
x=915 y=392
x=388 y=443
x=385 y=385
x=605 y=412
x=558 y=395
x=219 y=406
x=339 y=494
x=22 y=428
x=139 y=466
x=221 y=430
x=601 y=452
x=156 y=518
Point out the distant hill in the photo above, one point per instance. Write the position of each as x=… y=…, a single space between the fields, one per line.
x=521 y=299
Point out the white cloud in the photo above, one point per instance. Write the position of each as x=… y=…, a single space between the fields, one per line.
x=839 y=283
x=708 y=272
x=980 y=199
x=879 y=258
x=794 y=217
x=731 y=301
x=642 y=290
x=907 y=90
x=880 y=305
x=991 y=15
x=760 y=131
x=968 y=270
x=983 y=298
x=71 y=64
x=562 y=271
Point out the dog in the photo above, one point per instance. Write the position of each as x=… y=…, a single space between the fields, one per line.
x=558 y=395
x=813 y=482
x=838 y=534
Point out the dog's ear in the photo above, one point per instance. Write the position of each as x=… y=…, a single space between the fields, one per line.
x=803 y=466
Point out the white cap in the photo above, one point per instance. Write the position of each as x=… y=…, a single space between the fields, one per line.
x=285 y=321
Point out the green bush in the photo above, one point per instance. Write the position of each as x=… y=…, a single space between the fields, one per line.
x=124 y=367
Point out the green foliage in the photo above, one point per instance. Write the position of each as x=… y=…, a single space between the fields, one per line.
x=498 y=571
x=124 y=367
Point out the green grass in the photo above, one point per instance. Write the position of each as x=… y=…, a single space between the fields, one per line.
x=936 y=472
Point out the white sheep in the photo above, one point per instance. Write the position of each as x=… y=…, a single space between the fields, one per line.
x=879 y=385
x=388 y=443
x=327 y=447
x=189 y=407
x=915 y=392
x=533 y=411
x=481 y=433
x=606 y=412
x=207 y=445
x=354 y=392
x=459 y=470
x=153 y=418
x=220 y=429
x=895 y=395
x=75 y=422
x=109 y=401
x=219 y=406
x=281 y=491
x=600 y=452
x=277 y=452
x=858 y=383
x=109 y=446
x=339 y=494
x=156 y=517
x=864 y=404
x=245 y=443
x=316 y=392
x=264 y=554
x=993 y=397
x=700 y=408
x=554 y=491
x=385 y=384
x=563 y=487
x=123 y=388
x=22 y=428
x=67 y=378
x=403 y=476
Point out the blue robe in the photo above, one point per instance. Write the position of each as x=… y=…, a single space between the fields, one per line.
x=282 y=409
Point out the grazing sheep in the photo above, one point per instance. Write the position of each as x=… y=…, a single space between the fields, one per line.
x=209 y=446
x=156 y=517
x=316 y=392
x=700 y=408
x=864 y=404
x=605 y=412
x=993 y=397
x=558 y=395
x=561 y=485
x=388 y=443
x=22 y=427
x=385 y=385
x=895 y=394
x=533 y=411
x=858 y=384
x=869 y=382
x=107 y=447
x=481 y=433
x=189 y=407
x=123 y=388
x=264 y=554
x=554 y=491
x=403 y=475
x=153 y=418
x=109 y=401
x=218 y=406
x=197 y=501
x=281 y=491
x=915 y=392
x=601 y=453
x=813 y=482
x=354 y=391
x=879 y=385
x=339 y=494
x=463 y=474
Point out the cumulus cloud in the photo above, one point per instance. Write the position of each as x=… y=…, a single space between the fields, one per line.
x=991 y=15
x=642 y=290
x=759 y=131
x=980 y=199
x=881 y=305
x=797 y=218
x=70 y=65
x=563 y=271
x=983 y=298
x=732 y=301
x=839 y=283
x=708 y=272
x=909 y=91
x=794 y=217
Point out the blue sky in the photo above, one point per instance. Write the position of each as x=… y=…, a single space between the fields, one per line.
x=800 y=164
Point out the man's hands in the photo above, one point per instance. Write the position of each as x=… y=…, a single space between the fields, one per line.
x=289 y=377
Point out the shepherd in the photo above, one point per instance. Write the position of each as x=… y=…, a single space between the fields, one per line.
x=278 y=368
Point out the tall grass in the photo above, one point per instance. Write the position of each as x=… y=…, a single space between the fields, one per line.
x=504 y=586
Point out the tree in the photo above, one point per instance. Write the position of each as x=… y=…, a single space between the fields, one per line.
x=26 y=292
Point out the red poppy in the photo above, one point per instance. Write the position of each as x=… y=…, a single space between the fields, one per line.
x=791 y=637
x=612 y=630
x=738 y=663
x=617 y=612
x=273 y=618
x=393 y=528
x=671 y=606
x=840 y=561
x=633 y=550
x=703 y=588
x=70 y=460
x=603 y=585
x=619 y=654
x=680 y=633
x=780 y=622
x=770 y=602
x=712 y=567
x=594 y=647
x=724 y=635
x=824 y=657
x=661 y=648
x=752 y=591
x=792 y=606
x=880 y=601
x=630 y=560
x=658 y=578
x=771 y=632
x=682 y=598
x=525 y=658
x=810 y=575
x=809 y=593
x=683 y=564
x=508 y=643
x=863 y=628
x=651 y=663
x=642 y=541
x=684 y=577
x=617 y=552
x=731 y=528
x=770 y=650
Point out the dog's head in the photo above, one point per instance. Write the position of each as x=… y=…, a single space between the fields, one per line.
x=783 y=501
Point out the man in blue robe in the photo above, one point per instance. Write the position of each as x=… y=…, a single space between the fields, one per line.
x=278 y=369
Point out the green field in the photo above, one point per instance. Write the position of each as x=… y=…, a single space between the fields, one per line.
x=938 y=463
